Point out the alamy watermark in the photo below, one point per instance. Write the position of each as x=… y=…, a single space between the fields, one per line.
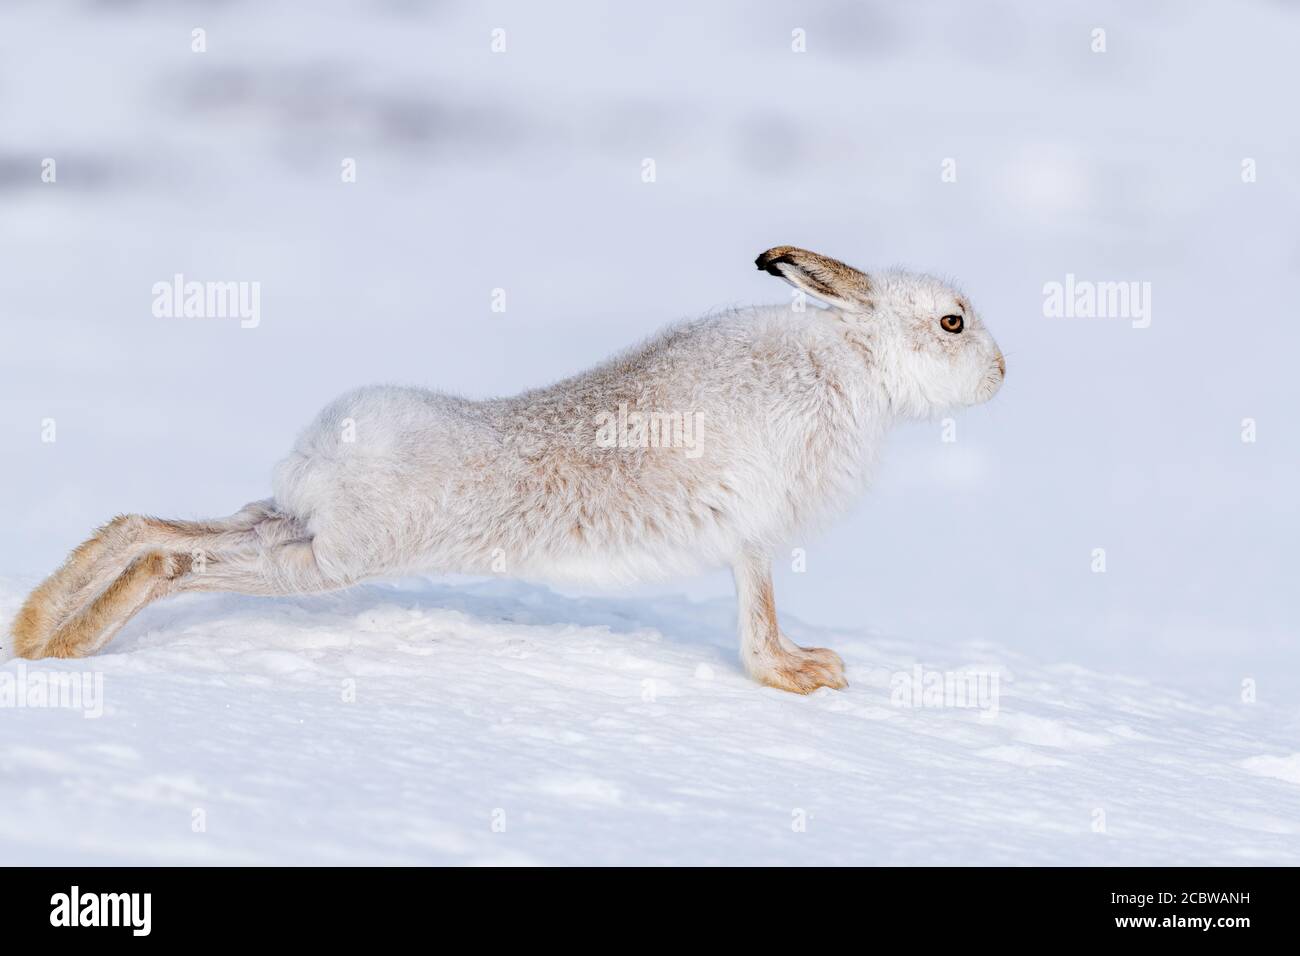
x=657 y=429
x=1085 y=299
x=132 y=911
x=181 y=299
x=22 y=687
x=919 y=687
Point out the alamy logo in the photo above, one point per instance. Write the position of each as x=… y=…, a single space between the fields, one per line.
x=103 y=909
x=919 y=687
x=179 y=299
x=38 y=688
x=1084 y=299
x=650 y=430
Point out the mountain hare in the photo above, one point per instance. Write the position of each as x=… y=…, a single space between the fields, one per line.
x=712 y=443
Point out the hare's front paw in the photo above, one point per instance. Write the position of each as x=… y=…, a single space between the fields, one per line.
x=803 y=670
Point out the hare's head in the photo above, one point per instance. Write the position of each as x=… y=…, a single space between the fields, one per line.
x=932 y=349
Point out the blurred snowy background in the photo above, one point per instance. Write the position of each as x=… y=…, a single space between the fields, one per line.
x=522 y=170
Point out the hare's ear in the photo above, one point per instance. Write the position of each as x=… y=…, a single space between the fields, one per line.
x=828 y=279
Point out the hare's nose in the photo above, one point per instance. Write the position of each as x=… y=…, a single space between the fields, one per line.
x=1002 y=365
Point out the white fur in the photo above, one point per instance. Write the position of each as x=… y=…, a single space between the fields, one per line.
x=766 y=421
x=793 y=409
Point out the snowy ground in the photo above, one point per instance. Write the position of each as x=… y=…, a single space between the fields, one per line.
x=500 y=723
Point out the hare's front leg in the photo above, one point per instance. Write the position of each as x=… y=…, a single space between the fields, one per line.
x=768 y=655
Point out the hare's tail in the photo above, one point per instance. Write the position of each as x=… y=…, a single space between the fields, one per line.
x=135 y=560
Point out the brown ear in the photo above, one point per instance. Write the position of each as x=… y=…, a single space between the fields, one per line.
x=821 y=276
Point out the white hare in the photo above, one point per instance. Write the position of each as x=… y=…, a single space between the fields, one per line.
x=711 y=444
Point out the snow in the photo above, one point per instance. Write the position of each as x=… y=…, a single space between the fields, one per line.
x=495 y=722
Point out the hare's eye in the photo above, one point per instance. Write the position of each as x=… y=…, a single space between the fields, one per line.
x=952 y=323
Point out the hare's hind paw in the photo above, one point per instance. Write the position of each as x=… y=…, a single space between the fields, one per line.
x=150 y=576
x=803 y=670
x=31 y=628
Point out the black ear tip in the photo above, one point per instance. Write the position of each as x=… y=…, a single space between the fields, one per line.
x=768 y=262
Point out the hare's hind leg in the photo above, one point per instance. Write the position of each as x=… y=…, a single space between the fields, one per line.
x=97 y=563
x=60 y=596
x=288 y=567
x=768 y=655
x=145 y=579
